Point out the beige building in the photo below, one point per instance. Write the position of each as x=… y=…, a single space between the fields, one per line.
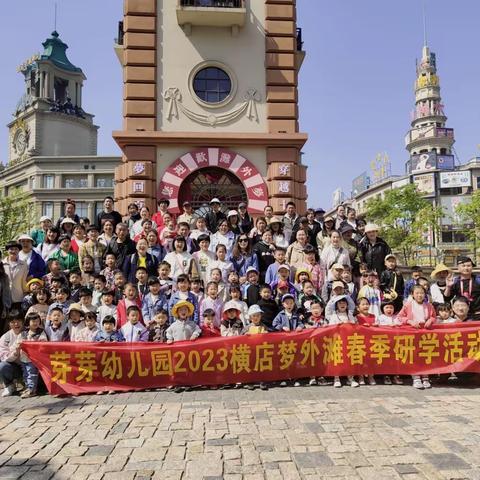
x=53 y=142
x=211 y=104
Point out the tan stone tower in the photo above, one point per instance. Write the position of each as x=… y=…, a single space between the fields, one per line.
x=211 y=104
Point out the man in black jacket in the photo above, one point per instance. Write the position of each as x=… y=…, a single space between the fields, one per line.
x=214 y=216
x=108 y=213
x=121 y=246
x=373 y=249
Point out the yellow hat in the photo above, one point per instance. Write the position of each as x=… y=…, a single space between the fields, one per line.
x=441 y=267
x=35 y=280
x=183 y=303
x=299 y=271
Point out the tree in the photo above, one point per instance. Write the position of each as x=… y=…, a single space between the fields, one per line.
x=405 y=218
x=16 y=216
x=467 y=216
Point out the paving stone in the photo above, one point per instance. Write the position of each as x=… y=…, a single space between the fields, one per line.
x=446 y=461
x=312 y=460
x=405 y=469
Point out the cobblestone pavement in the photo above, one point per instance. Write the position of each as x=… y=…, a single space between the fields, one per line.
x=382 y=432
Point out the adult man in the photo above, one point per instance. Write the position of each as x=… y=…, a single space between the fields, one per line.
x=122 y=245
x=319 y=215
x=69 y=212
x=157 y=217
x=188 y=215
x=340 y=217
x=214 y=216
x=108 y=213
x=245 y=222
x=38 y=234
x=183 y=230
x=268 y=213
x=133 y=215
x=290 y=219
x=373 y=249
x=17 y=273
x=465 y=285
x=36 y=265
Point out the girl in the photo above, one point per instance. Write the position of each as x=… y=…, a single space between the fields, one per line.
x=168 y=233
x=236 y=299
x=243 y=257
x=316 y=320
x=108 y=233
x=216 y=276
x=88 y=271
x=212 y=301
x=67 y=258
x=154 y=248
x=130 y=297
x=388 y=319
x=50 y=244
x=232 y=325
x=313 y=267
x=257 y=232
x=372 y=293
x=418 y=314
x=367 y=319
x=264 y=250
x=79 y=237
x=204 y=258
x=279 y=239
x=181 y=262
x=41 y=301
x=223 y=236
x=221 y=263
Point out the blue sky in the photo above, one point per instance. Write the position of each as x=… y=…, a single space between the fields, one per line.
x=356 y=85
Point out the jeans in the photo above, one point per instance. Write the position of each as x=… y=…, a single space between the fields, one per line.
x=9 y=371
x=30 y=375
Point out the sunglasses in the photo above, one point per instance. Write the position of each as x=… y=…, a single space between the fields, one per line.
x=243 y=240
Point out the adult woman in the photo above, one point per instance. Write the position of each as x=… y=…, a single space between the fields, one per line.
x=264 y=250
x=181 y=262
x=5 y=297
x=147 y=226
x=276 y=226
x=68 y=259
x=340 y=217
x=257 y=232
x=360 y=231
x=17 y=272
x=334 y=252
x=50 y=245
x=223 y=236
x=373 y=249
x=233 y=222
x=295 y=251
x=323 y=237
x=79 y=237
x=245 y=220
x=154 y=248
x=201 y=229
x=352 y=246
x=137 y=226
x=66 y=226
x=351 y=218
x=108 y=232
x=141 y=258
x=243 y=257
x=36 y=265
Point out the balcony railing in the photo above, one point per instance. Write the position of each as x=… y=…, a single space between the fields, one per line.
x=211 y=13
x=431 y=132
x=212 y=3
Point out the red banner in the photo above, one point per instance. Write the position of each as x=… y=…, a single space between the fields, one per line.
x=336 y=350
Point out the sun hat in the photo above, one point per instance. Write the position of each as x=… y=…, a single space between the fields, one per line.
x=75 y=307
x=275 y=220
x=337 y=284
x=441 y=267
x=390 y=255
x=183 y=303
x=215 y=200
x=232 y=213
x=44 y=218
x=337 y=266
x=254 y=309
x=371 y=227
x=252 y=269
x=25 y=237
x=230 y=306
x=12 y=244
x=35 y=280
x=68 y=220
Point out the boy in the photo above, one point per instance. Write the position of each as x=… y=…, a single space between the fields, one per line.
x=372 y=293
x=283 y=276
x=392 y=284
x=288 y=320
x=91 y=329
x=232 y=325
x=158 y=327
x=10 y=354
x=85 y=302
x=92 y=247
x=153 y=301
x=335 y=275
x=108 y=332
x=416 y=274
x=110 y=270
x=57 y=329
x=280 y=255
x=75 y=279
x=107 y=307
x=166 y=283
x=208 y=325
x=99 y=285
x=268 y=306
x=119 y=281
x=133 y=330
x=460 y=309
x=183 y=293
x=182 y=328
x=142 y=281
x=76 y=324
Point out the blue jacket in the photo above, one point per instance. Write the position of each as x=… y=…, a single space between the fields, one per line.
x=115 y=336
x=151 y=307
x=281 y=321
x=175 y=298
x=131 y=263
x=241 y=264
x=37 y=267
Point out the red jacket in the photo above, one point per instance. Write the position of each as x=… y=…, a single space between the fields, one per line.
x=366 y=319
x=406 y=313
x=210 y=331
x=122 y=312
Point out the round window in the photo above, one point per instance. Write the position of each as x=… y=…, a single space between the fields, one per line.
x=212 y=85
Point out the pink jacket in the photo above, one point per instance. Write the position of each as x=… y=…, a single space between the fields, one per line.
x=406 y=313
x=317 y=275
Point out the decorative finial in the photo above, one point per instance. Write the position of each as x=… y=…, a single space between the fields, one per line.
x=55 y=21
x=425 y=40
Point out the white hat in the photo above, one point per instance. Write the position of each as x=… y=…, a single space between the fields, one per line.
x=252 y=269
x=215 y=200
x=68 y=220
x=371 y=227
x=232 y=213
x=44 y=218
x=254 y=309
x=25 y=237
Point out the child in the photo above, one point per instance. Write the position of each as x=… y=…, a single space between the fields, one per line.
x=108 y=332
x=232 y=325
x=33 y=286
x=233 y=278
x=372 y=293
x=141 y=276
x=364 y=317
x=55 y=271
x=301 y=276
x=130 y=298
x=133 y=330
x=91 y=329
x=211 y=301
x=85 y=295
x=182 y=328
x=10 y=353
x=342 y=314
x=416 y=274
x=196 y=288
x=119 y=281
x=418 y=314
x=57 y=329
x=392 y=283
x=204 y=258
x=460 y=309
x=107 y=307
x=268 y=306
x=208 y=324
x=306 y=298
x=221 y=262
x=34 y=333
x=280 y=255
x=351 y=287
x=157 y=331
x=75 y=279
x=182 y=292
x=335 y=275
x=93 y=248
x=40 y=301
x=61 y=300
x=99 y=285
x=313 y=267
x=110 y=270
x=236 y=298
x=317 y=320
x=166 y=282
x=76 y=314
x=216 y=276
x=88 y=271
x=282 y=277
x=153 y=301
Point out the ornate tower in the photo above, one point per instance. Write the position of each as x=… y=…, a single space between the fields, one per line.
x=49 y=119
x=429 y=142
x=211 y=104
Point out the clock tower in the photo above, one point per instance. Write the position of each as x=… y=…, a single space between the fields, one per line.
x=49 y=119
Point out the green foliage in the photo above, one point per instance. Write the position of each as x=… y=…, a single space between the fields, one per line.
x=468 y=216
x=16 y=216
x=405 y=218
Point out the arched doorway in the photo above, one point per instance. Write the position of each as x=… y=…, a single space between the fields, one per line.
x=207 y=183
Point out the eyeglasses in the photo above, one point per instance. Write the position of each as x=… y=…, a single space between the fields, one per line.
x=243 y=240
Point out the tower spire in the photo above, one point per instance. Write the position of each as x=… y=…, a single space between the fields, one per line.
x=425 y=39
x=55 y=19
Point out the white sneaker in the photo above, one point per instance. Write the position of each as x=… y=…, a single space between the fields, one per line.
x=361 y=380
x=417 y=383
x=387 y=380
x=8 y=391
x=312 y=382
x=397 y=380
x=337 y=383
x=371 y=380
x=297 y=384
x=426 y=383
x=354 y=384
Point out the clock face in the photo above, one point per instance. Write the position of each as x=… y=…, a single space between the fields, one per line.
x=20 y=141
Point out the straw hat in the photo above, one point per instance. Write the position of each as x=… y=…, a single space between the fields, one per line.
x=441 y=267
x=180 y=304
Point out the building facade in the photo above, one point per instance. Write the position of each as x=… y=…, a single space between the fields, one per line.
x=53 y=141
x=210 y=104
